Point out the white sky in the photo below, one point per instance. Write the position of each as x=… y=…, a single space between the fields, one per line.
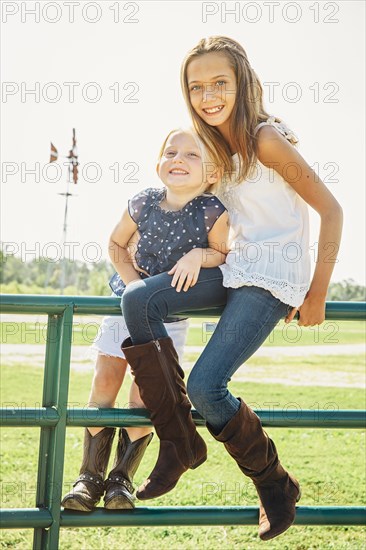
x=325 y=60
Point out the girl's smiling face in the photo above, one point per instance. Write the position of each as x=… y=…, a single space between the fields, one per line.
x=181 y=164
x=212 y=87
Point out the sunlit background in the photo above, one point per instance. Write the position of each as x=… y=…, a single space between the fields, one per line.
x=309 y=56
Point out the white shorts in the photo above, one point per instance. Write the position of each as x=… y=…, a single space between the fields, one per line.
x=113 y=331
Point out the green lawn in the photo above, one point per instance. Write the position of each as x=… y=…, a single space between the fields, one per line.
x=329 y=333
x=329 y=464
x=313 y=370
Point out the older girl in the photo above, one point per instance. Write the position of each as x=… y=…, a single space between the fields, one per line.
x=267 y=188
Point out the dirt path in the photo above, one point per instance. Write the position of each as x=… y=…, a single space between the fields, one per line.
x=299 y=351
x=10 y=352
x=83 y=359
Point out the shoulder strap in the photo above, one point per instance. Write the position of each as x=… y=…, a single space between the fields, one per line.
x=281 y=127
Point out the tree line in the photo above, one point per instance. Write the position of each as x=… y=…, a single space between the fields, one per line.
x=43 y=276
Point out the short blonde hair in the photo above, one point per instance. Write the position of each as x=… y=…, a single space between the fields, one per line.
x=209 y=166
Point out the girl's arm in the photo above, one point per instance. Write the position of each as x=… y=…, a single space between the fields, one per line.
x=118 y=248
x=276 y=152
x=187 y=269
x=217 y=249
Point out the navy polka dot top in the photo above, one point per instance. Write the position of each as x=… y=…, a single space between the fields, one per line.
x=166 y=236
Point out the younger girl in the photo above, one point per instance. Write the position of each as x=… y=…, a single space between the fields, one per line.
x=110 y=370
x=180 y=228
x=266 y=274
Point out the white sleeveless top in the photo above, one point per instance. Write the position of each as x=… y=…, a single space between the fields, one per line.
x=269 y=235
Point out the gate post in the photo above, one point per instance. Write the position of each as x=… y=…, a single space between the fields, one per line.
x=52 y=439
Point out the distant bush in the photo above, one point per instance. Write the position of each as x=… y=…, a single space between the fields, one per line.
x=41 y=276
x=346 y=291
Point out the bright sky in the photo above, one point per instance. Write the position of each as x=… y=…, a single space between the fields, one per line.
x=309 y=56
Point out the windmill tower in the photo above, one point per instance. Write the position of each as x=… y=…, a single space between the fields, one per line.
x=72 y=173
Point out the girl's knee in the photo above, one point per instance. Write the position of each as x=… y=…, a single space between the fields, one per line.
x=197 y=391
x=140 y=302
x=109 y=373
x=135 y=401
x=134 y=300
x=204 y=396
x=133 y=292
x=102 y=385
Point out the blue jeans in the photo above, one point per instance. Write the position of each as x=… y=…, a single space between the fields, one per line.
x=250 y=315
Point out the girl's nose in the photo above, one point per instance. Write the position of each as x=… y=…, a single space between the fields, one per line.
x=209 y=93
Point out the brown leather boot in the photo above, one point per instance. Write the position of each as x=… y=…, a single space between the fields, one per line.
x=118 y=485
x=89 y=486
x=160 y=379
x=256 y=455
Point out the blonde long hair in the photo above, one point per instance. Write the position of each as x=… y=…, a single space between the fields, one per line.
x=247 y=113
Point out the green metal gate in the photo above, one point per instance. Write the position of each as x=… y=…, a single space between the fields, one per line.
x=53 y=417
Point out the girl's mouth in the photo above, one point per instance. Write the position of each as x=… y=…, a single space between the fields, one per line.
x=178 y=172
x=213 y=110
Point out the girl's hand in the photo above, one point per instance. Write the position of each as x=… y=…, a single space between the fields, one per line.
x=186 y=270
x=311 y=312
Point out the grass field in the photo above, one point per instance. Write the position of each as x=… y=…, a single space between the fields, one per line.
x=329 y=333
x=329 y=464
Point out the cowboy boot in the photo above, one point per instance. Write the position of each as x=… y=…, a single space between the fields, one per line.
x=89 y=486
x=119 y=488
x=160 y=380
x=256 y=455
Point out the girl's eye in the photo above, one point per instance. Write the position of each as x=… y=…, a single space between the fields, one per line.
x=195 y=88
x=220 y=83
x=170 y=153
x=193 y=155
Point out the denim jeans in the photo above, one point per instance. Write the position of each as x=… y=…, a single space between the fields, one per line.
x=250 y=315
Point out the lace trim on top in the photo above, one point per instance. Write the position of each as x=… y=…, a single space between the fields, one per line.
x=289 y=293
